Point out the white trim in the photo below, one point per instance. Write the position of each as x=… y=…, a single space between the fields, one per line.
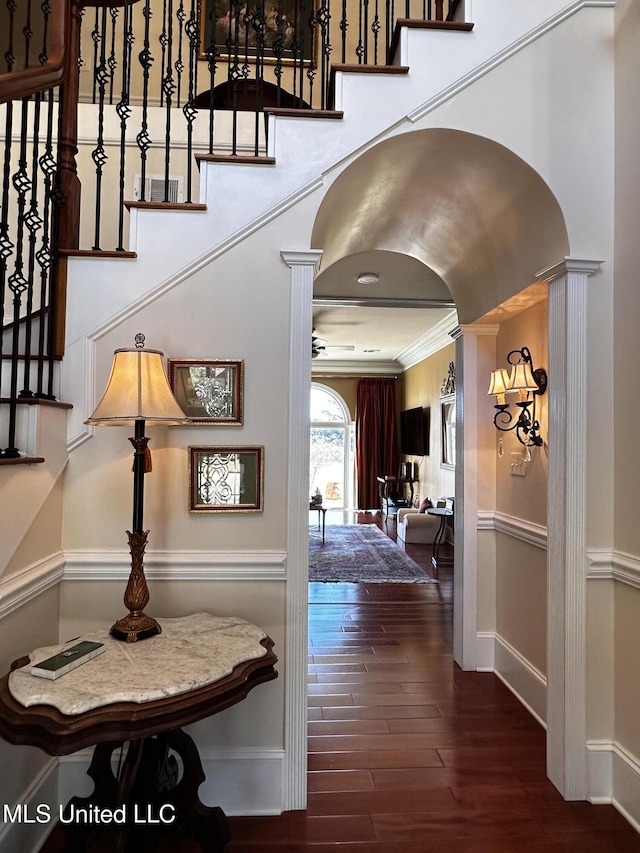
x=242 y=781
x=302 y=267
x=626 y=784
x=177 y=565
x=567 y=542
x=438 y=337
x=600 y=771
x=523 y=679
x=505 y=54
x=42 y=789
x=519 y=528
x=23 y=586
x=614 y=777
x=605 y=564
x=485 y=654
x=364 y=368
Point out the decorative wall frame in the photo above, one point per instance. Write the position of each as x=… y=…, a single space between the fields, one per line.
x=272 y=32
x=448 y=421
x=226 y=479
x=210 y=391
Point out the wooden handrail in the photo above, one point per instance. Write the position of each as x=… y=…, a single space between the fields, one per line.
x=38 y=78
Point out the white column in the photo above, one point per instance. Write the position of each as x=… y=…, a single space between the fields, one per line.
x=567 y=543
x=294 y=785
x=472 y=380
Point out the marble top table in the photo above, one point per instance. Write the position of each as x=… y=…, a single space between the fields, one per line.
x=197 y=666
x=190 y=653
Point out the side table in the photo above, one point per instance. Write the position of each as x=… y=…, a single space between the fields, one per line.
x=443 y=513
x=322 y=513
x=148 y=800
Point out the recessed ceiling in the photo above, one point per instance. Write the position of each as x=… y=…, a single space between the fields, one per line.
x=374 y=326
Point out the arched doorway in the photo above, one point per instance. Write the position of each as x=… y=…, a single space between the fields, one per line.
x=487 y=224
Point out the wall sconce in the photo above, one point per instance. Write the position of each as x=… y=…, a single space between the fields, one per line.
x=529 y=384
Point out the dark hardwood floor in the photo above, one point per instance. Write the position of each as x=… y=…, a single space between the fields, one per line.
x=407 y=753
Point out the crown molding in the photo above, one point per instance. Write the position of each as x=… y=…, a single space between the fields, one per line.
x=436 y=338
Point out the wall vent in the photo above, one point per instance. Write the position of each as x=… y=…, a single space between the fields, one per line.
x=154 y=188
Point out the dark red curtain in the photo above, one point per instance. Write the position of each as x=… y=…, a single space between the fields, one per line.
x=376 y=438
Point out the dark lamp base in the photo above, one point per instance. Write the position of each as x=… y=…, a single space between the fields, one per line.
x=135 y=627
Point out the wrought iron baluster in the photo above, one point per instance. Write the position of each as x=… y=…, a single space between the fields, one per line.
x=163 y=38
x=143 y=139
x=96 y=37
x=212 y=54
x=99 y=155
x=325 y=23
x=179 y=63
x=375 y=29
x=407 y=9
x=17 y=282
x=189 y=111
x=123 y=111
x=28 y=35
x=47 y=165
x=9 y=55
x=112 y=62
x=360 y=45
x=258 y=30
x=344 y=26
x=33 y=223
x=388 y=28
x=55 y=302
x=46 y=11
x=168 y=89
x=6 y=245
x=278 y=50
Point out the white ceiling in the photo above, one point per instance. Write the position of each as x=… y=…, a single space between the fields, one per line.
x=385 y=327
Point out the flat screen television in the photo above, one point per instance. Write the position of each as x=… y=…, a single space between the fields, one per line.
x=414 y=432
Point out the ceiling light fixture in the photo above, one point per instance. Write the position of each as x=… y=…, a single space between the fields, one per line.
x=368 y=278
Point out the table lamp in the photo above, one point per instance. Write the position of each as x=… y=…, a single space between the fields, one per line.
x=137 y=393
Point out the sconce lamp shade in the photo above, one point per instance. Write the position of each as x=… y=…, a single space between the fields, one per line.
x=137 y=390
x=499 y=381
x=521 y=378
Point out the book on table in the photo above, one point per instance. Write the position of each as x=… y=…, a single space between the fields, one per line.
x=68 y=659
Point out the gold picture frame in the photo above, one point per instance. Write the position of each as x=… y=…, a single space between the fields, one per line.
x=209 y=391
x=226 y=479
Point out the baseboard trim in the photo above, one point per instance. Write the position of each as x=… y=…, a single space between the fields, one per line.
x=241 y=781
x=522 y=678
x=31 y=836
x=23 y=586
x=174 y=565
x=614 y=777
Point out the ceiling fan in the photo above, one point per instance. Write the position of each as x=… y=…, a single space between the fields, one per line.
x=318 y=346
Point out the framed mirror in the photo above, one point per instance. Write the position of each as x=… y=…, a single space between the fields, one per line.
x=225 y=479
x=209 y=391
x=448 y=417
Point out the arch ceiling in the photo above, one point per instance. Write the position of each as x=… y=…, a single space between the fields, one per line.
x=466 y=207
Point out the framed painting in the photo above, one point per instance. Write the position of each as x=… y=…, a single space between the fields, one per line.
x=210 y=391
x=269 y=30
x=226 y=479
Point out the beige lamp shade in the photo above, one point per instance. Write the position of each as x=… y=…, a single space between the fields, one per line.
x=499 y=381
x=137 y=390
x=521 y=378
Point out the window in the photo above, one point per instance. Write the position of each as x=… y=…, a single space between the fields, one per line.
x=331 y=460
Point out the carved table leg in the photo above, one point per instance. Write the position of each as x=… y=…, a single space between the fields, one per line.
x=150 y=802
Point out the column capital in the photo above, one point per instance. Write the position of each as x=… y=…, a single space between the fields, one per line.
x=309 y=258
x=585 y=266
x=476 y=330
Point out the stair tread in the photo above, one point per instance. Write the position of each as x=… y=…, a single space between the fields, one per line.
x=37 y=401
x=295 y=113
x=183 y=206
x=22 y=460
x=236 y=158
x=96 y=253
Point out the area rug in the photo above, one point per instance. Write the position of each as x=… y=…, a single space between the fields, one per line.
x=360 y=554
